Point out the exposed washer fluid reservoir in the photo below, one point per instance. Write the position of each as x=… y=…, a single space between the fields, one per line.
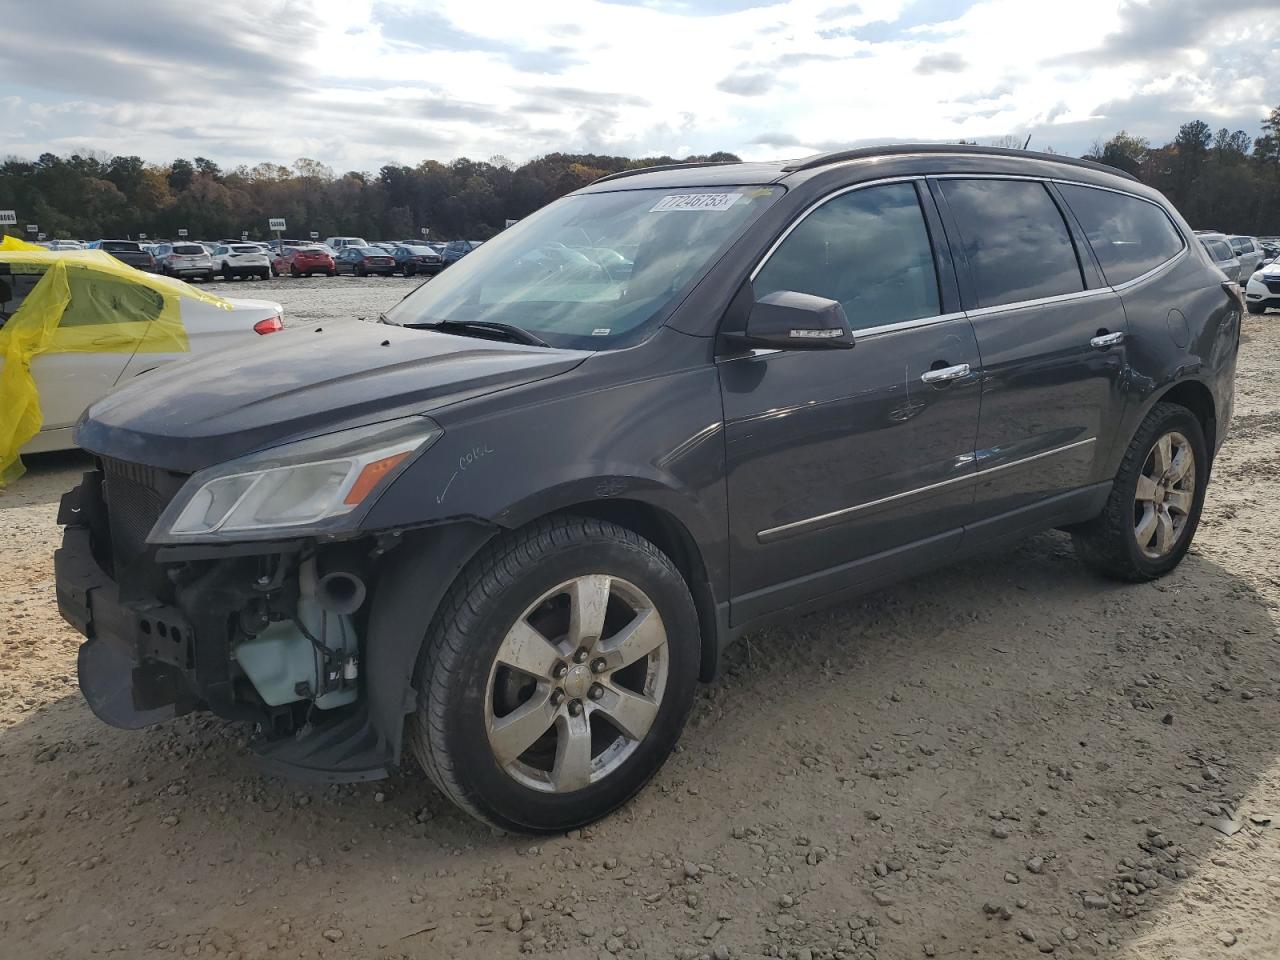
x=280 y=659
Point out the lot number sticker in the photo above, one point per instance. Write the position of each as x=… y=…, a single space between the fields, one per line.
x=695 y=201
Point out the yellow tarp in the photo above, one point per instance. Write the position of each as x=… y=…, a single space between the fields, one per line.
x=75 y=302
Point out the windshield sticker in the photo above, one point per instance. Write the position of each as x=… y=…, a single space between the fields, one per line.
x=695 y=201
x=601 y=331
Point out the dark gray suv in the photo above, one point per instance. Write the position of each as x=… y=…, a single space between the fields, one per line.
x=523 y=515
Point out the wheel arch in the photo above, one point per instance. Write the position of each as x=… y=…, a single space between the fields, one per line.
x=418 y=573
x=665 y=531
x=1198 y=398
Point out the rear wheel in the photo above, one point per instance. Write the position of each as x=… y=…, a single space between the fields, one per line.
x=557 y=676
x=359 y=270
x=1154 y=508
x=294 y=272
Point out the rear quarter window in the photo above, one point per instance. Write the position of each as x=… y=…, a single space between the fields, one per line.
x=1129 y=236
x=1218 y=250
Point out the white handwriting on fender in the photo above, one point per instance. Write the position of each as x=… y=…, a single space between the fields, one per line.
x=465 y=462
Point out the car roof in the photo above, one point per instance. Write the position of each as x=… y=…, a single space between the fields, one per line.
x=941 y=157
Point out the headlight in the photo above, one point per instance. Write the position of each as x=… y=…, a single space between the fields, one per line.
x=317 y=486
x=1257 y=276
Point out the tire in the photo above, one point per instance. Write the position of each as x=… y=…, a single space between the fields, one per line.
x=1110 y=542
x=1256 y=308
x=293 y=272
x=359 y=271
x=461 y=677
x=410 y=270
x=332 y=273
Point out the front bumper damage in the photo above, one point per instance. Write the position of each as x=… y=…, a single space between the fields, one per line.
x=163 y=627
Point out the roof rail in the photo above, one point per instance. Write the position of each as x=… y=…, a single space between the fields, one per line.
x=665 y=166
x=897 y=149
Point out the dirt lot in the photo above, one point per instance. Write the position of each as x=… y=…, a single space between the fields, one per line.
x=1003 y=759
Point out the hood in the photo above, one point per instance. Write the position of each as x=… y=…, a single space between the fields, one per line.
x=299 y=383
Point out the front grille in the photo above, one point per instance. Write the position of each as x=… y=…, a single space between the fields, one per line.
x=135 y=495
x=1273 y=285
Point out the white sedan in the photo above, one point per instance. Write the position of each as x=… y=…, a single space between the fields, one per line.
x=67 y=383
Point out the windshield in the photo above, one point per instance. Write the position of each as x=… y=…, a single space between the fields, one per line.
x=592 y=270
x=121 y=246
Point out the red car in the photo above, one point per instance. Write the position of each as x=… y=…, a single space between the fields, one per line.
x=303 y=261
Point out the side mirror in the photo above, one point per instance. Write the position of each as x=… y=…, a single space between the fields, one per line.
x=786 y=320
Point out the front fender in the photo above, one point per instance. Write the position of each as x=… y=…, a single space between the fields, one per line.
x=411 y=583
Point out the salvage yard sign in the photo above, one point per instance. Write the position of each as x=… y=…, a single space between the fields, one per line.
x=8 y=216
x=276 y=223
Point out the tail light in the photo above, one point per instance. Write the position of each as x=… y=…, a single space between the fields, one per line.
x=1235 y=292
x=269 y=325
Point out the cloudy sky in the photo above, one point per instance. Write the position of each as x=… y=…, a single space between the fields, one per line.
x=360 y=83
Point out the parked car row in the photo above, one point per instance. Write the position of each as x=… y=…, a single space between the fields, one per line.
x=232 y=259
x=1252 y=262
x=1239 y=257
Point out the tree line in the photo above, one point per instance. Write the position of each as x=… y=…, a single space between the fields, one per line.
x=1224 y=179
x=92 y=196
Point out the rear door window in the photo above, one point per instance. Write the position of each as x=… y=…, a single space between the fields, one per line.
x=868 y=249
x=1015 y=239
x=1129 y=236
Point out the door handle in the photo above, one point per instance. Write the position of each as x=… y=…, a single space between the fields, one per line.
x=1104 y=340
x=946 y=374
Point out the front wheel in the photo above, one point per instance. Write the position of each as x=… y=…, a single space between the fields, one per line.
x=1155 y=502
x=557 y=676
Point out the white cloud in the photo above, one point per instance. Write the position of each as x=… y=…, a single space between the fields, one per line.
x=359 y=83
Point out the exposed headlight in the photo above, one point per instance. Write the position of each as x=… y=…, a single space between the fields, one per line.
x=1257 y=276
x=320 y=485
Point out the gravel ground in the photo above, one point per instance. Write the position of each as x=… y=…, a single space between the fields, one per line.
x=310 y=299
x=1003 y=759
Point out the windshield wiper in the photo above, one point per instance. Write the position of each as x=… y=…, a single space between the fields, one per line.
x=508 y=331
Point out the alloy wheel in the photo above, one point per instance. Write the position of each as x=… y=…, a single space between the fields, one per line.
x=576 y=684
x=1164 y=496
